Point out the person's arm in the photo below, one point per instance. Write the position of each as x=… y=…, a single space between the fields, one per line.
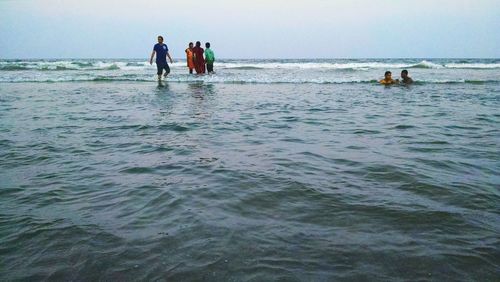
x=168 y=55
x=152 y=56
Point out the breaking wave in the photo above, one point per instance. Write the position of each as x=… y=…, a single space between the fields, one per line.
x=96 y=65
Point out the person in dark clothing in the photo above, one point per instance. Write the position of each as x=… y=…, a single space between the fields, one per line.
x=161 y=51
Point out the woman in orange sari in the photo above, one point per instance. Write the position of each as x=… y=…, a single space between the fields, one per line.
x=189 y=57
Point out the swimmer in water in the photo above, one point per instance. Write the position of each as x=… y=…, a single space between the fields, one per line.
x=405 y=79
x=388 y=79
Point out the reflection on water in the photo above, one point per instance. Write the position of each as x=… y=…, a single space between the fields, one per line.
x=162 y=85
x=201 y=92
x=200 y=89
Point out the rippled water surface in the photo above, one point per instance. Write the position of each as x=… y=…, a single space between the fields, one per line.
x=199 y=181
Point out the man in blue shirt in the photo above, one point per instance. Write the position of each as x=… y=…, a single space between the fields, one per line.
x=161 y=51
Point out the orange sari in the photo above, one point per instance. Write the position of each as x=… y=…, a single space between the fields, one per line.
x=189 y=59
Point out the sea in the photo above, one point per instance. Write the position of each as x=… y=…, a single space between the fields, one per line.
x=267 y=170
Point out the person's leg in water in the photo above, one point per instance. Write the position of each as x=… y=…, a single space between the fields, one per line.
x=159 y=71
x=167 y=70
x=210 y=68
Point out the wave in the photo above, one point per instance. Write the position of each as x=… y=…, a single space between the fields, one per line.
x=40 y=65
x=111 y=67
x=458 y=81
x=12 y=68
x=83 y=64
x=245 y=68
x=310 y=66
x=230 y=80
x=426 y=65
x=472 y=66
x=69 y=66
x=342 y=65
x=354 y=65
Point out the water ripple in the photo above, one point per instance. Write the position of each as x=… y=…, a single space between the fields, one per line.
x=126 y=181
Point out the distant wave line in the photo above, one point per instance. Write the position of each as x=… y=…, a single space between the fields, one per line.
x=130 y=66
x=222 y=80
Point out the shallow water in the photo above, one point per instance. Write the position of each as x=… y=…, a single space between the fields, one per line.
x=200 y=181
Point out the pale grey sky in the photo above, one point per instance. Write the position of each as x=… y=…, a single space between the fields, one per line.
x=251 y=29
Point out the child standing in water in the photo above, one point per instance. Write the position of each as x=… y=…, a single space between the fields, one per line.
x=189 y=57
x=209 y=58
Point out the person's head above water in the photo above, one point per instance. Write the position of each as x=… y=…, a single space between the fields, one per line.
x=198 y=43
x=207 y=44
x=160 y=39
x=404 y=73
x=388 y=75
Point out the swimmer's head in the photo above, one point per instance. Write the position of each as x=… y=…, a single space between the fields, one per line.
x=388 y=75
x=404 y=73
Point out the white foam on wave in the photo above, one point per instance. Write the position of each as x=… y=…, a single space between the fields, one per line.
x=134 y=65
x=473 y=66
x=310 y=65
x=41 y=65
x=354 y=65
x=426 y=65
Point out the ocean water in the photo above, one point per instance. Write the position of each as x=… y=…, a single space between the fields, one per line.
x=294 y=170
x=319 y=71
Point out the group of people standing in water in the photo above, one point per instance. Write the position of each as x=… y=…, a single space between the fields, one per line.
x=202 y=61
x=405 y=79
x=195 y=60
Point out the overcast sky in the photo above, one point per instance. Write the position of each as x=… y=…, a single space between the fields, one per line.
x=252 y=28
